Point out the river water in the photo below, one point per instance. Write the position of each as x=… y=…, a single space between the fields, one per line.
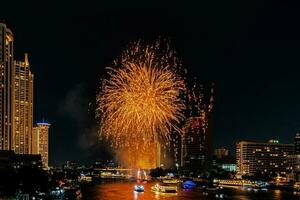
x=124 y=191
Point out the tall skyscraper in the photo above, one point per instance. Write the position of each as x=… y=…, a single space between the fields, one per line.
x=271 y=156
x=6 y=97
x=16 y=97
x=40 y=141
x=35 y=141
x=196 y=141
x=175 y=149
x=297 y=143
x=164 y=156
x=23 y=106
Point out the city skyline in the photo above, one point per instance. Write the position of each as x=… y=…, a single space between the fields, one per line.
x=16 y=97
x=18 y=133
x=254 y=100
x=147 y=100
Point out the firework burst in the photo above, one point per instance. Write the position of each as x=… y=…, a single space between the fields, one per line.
x=140 y=102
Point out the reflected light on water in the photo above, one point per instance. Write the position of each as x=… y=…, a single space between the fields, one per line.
x=277 y=194
x=156 y=195
x=125 y=191
x=136 y=195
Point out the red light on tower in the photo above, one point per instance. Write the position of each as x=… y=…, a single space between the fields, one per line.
x=196 y=123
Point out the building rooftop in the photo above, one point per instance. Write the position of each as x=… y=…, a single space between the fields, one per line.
x=43 y=124
x=269 y=142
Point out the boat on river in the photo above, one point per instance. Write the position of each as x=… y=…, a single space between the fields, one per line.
x=139 y=188
x=242 y=183
x=296 y=186
x=165 y=188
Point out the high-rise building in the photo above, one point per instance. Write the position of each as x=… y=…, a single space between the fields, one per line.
x=175 y=149
x=297 y=143
x=196 y=140
x=167 y=155
x=35 y=141
x=271 y=156
x=221 y=153
x=16 y=97
x=195 y=144
x=6 y=97
x=40 y=140
x=23 y=106
x=294 y=167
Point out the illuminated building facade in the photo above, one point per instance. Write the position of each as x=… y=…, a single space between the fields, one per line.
x=297 y=143
x=230 y=167
x=35 y=140
x=9 y=160
x=175 y=149
x=221 y=153
x=195 y=144
x=294 y=167
x=6 y=97
x=254 y=157
x=196 y=139
x=224 y=160
x=40 y=144
x=23 y=106
x=16 y=98
x=167 y=154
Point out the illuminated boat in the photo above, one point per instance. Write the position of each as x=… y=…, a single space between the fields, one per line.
x=84 y=178
x=139 y=188
x=234 y=183
x=259 y=184
x=297 y=186
x=164 y=188
x=170 y=181
x=110 y=175
x=57 y=192
x=242 y=183
x=188 y=184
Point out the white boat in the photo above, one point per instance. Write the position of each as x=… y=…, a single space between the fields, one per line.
x=86 y=179
x=164 y=188
x=234 y=183
x=139 y=188
x=110 y=175
x=170 y=180
x=242 y=183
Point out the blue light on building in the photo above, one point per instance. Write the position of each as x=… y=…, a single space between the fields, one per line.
x=229 y=167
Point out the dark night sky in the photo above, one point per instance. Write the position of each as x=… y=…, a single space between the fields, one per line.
x=250 y=50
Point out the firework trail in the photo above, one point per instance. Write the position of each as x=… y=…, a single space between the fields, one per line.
x=198 y=104
x=140 y=100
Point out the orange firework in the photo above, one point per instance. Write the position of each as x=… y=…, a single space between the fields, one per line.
x=139 y=103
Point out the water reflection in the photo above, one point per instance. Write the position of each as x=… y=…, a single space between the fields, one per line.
x=124 y=191
x=277 y=194
x=138 y=195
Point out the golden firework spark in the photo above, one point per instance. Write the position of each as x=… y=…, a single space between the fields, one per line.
x=139 y=103
x=199 y=105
